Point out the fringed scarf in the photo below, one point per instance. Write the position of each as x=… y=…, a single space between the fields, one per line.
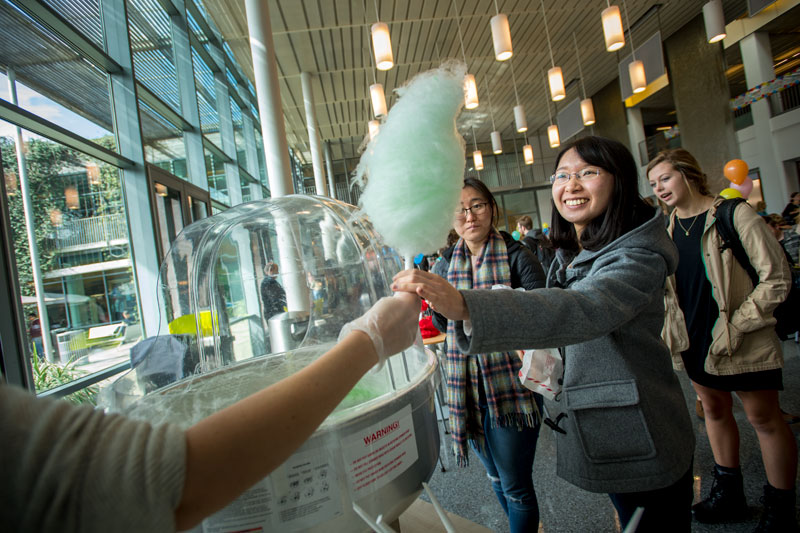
x=509 y=403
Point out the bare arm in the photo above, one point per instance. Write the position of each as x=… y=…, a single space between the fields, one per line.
x=232 y=449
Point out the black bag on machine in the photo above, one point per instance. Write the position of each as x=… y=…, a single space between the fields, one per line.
x=787 y=313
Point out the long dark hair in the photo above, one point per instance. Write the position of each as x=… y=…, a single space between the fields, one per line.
x=481 y=187
x=626 y=209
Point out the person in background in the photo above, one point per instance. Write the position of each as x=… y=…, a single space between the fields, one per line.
x=792 y=209
x=68 y=468
x=273 y=297
x=721 y=329
x=35 y=331
x=536 y=241
x=621 y=425
x=788 y=236
x=761 y=208
x=490 y=410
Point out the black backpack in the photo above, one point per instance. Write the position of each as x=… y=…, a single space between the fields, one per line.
x=788 y=311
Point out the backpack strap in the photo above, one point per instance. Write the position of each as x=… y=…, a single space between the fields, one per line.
x=730 y=237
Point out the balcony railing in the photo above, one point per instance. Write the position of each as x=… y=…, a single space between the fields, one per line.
x=83 y=231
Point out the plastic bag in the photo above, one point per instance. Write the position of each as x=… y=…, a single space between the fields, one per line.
x=542 y=371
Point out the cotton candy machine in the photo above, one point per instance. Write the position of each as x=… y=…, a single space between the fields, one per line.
x=254 y=294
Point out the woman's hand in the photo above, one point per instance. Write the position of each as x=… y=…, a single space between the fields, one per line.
x=443 y=297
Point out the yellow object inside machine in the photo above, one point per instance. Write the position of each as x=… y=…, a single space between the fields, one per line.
x=187 y=324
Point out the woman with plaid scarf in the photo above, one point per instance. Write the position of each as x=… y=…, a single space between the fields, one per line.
x=489 y=408
x=621 y=424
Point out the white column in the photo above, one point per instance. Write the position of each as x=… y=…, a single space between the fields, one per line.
x=313 y=135
x=30 y=229
x=636 y=137
x=265 y=70
x=329 y=169
x=757 y=60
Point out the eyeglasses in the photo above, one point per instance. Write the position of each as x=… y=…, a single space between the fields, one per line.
x=561 y=178
x=475 y=209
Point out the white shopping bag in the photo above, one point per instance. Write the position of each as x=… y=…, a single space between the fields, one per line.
x=542 y=371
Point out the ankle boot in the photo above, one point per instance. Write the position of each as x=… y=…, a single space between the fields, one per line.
x=779 y=511
x=726 y=501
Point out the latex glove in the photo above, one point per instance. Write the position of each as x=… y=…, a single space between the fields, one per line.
x=442 y=297
x=392 y=324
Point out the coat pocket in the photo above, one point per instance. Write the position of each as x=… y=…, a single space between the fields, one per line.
x=609 y=421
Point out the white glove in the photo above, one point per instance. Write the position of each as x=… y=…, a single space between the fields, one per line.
x=392 y=324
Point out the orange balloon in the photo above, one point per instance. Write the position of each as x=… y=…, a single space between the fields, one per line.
x=736 y=171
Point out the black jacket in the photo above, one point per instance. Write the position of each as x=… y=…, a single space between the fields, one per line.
x=526 y=271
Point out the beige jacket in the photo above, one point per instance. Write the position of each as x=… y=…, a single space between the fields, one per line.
x=743 y=337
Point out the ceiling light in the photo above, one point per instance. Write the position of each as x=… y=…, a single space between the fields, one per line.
x=587 y=112
x=556 y=81
x=470 y=92
x=715 y=21
x=378 y=99
x=382 y=46
x=374 y=128
x=519 y=119
x=527 y=153
x=501 y=37
x=636 y=72
x=160 y=189
x=612 y=28
x=497 y=143
x=552 y=136
x=477 y=158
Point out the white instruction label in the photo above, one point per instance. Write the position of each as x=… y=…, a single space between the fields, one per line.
x=378 y=454
x=306 y=490
x=249 y=513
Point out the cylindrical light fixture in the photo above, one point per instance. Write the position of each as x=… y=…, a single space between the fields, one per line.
x=556 y=80
x=497 y=143
x=612 y=28
x=382 y=45
x=477 y=158
x=92 y=173
x=71 y=197
x=527 y=153
x=636 y=72
x=715 y=21
x=501 y=37
x=161 y=189
x=378 y=99
x=470 y=92
x=587 y=112
x=56 y=217
x=519 y=118
x=374 y=127
x=552 y=136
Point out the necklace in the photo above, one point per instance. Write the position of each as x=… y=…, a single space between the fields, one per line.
x=687 y=230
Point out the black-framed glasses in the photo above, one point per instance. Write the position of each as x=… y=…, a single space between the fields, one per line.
x=561 y=178
x=475 y=209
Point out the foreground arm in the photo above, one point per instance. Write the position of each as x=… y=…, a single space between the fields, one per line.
x=234 y=448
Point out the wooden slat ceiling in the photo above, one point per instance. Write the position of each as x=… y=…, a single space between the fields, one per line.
x=329 y=38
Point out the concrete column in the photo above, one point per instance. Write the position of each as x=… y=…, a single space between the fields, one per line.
x=636 y=137
x=757 y=59
x=702 y=99
x=329 y=169
x=313 y=135
x=265 y=70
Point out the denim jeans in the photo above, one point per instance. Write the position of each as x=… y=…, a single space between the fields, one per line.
x=508 y=459
x=667 y=509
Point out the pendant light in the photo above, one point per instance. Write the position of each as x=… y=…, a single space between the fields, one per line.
x=374 y=128
x=497 y=143
x=635 y=67
x=552 y=129
x=381 y=43
x=71 y=197
x=587 y=109
x=501 y=35
x=554 y=76
x=378 y=99
x=714 y=19
x=519 y=112
x=612 y=27
x=527 y=152
x=477 y=156
x=470 y=87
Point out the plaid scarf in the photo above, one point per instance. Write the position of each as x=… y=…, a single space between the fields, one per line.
x=509 y=403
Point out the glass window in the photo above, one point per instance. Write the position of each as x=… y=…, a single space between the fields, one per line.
x=46 y=65
x=262 y=164
x=516 y=204
x=81 y=232
x=206 y=95
x=84 y=15
x=163 y=142
x=217 y=185
x=238 y=134
x=151 y=43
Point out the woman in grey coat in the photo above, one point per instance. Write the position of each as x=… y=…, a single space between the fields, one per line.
x=621 y=422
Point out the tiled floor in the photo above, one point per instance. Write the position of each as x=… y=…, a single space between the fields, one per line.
x=565 y=508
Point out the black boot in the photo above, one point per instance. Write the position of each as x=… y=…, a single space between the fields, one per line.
x=725 y=502
x=779 y=511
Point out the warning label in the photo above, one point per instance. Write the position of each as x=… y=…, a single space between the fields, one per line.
x=378 y=454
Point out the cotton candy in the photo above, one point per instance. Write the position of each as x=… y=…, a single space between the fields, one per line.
x=414 y=167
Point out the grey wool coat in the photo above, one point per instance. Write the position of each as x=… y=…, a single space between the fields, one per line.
x=627 y=428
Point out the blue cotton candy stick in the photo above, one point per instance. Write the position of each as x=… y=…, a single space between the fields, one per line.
x=414 y=168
